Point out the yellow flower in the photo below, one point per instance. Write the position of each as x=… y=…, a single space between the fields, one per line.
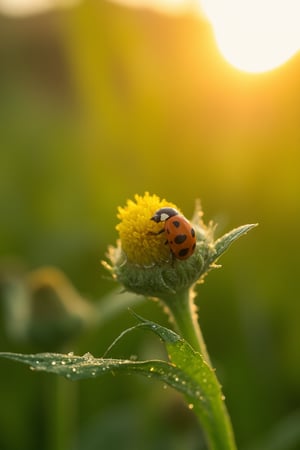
x=142 y=262
x=135 y=228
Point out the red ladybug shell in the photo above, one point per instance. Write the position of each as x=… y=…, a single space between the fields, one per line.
x=180 y=234
x=180 y=237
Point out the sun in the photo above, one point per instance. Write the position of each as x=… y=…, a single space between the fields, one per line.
x=255 y=35
x=252 y=35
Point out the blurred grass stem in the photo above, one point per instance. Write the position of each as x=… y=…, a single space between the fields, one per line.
x=62 y=413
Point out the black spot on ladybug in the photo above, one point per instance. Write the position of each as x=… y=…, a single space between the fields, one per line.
x=180 y=238
x=176 y=223
x=192 y=232
x=183 y=252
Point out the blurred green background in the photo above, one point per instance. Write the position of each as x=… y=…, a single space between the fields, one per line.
x=99 y=102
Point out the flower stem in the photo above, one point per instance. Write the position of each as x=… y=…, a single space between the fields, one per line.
x=218 y=428
x=183 y=311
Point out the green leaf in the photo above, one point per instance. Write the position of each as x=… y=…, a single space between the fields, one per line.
x=203 y=392
x=186 y=371
x=224 y=242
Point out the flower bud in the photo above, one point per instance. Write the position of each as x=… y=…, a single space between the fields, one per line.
x=142 y=260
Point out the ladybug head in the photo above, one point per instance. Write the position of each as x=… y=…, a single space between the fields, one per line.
x=164 y=214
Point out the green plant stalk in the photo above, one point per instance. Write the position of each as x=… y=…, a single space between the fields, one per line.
x=183 y=312
x=218 y=429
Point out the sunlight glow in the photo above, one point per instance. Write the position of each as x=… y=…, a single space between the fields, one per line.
x=27 y=7
x=168 y=6
x=252 y=35
x=255 y=35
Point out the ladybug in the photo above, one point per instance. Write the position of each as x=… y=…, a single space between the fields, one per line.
x=180 y=234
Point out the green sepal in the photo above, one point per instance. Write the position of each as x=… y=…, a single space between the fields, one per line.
x=224 y=242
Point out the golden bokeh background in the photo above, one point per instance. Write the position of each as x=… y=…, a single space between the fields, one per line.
x=99 y=102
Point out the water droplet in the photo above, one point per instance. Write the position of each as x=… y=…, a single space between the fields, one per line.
x=133 y=357
x=88 y=355
x=37 y=361
x=71 y=354
x=223 y=397
x=74 y=370
x=53 y=363
x=68 y=375
x=32 y=368
x=63 y=363
x=165 y=386
x=191 y=406
x=152 y=369
x=93 y=373
x=204 y=380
